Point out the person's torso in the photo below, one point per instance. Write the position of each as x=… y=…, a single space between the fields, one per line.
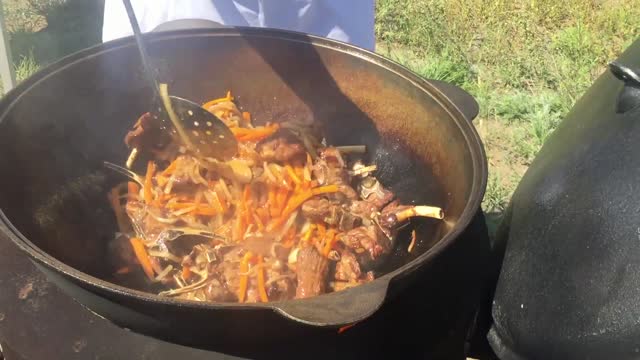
x=350 y=21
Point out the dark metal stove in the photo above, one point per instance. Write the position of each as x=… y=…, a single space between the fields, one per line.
x=38 y=321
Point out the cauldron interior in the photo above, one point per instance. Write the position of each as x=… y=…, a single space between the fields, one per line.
x=58 y=127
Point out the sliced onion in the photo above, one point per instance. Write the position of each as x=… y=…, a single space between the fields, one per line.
x=269 y=174
x=286 y=227
x=164 y=272
x=225 y=190
x=165 y=255
x=163 y=220
x=241 y=171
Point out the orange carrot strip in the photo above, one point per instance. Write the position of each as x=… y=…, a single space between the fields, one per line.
x=255 y=134
x=292 y=174
x=244 y=277
x=148 y=194
x=345 y=328
x=171 y=168
x=209 y=104
x=261 y=283
x=297 y=200
x=307 y=235
x=247 y=117
x=198 y=198
x=186 y=272
x=329 y=242
x=263 y=213
x=123 y=270
x=142 y=256
x=290 y=238
x=205 y=211
x=222 y=204
x=258 y=221
x=281 y=200
x=132 y=190
x=322 y=230
x=181 y=205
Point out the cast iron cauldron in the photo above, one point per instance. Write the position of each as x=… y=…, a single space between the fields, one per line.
x=58 y=127
x=569 y=287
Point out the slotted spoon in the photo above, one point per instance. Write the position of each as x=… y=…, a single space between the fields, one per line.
x=199 y=130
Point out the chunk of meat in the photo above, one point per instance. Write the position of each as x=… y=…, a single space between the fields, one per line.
x=317 y=209
x=311 y=270
x=387 y=216
x=332 y=157
x=135 y=137
x=348 y=268
x=279 y=149
x=380 y=199
x=253 y=296
x=259 y=244
x=368 y=238
x=363 y=209
x=372 y=191
x=279 y=287
x=145 y=135
x=228 y=270
x=216 y=291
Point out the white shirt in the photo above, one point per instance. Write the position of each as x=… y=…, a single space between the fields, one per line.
x=350 y=21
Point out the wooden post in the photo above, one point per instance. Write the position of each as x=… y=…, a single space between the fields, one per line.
x=6 y=64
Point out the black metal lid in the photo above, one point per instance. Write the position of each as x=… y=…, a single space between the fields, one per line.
x=569 y=287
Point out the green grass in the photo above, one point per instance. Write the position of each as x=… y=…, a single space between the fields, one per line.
x=26 y=67
x=526 y=62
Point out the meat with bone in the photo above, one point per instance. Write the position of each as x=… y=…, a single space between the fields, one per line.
x=370 y=239
x=280 y=149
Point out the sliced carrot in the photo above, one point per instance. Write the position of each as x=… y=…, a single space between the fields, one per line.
x=297 y=200
x=293 y=175
x=238 y=228
x=186 y=272
x=142 y=256
x=244 y=277
x=171 y=168
x=132 y=190
x=322 y=230
x=198 y=198
x=181 y=205
x=263 y=213
x=205 y=211
x=258 y=221
x=220 y=203
x=247 y=117
x=123 y=270
x=261 y=283
x=307 y=235
x=329 y=242
x=148 y=193
x=345 y=328
x=209 y=104
x=254 y=134
x=290 y=238
x=281 y=200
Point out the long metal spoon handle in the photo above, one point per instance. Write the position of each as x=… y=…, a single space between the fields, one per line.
x=141 y=47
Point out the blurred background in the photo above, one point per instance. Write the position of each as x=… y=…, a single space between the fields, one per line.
x=525 y=61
